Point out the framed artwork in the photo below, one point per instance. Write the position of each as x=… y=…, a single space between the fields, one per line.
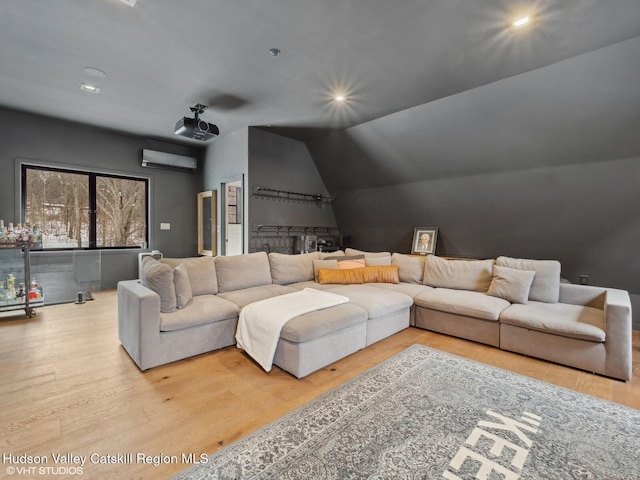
x=424 y=240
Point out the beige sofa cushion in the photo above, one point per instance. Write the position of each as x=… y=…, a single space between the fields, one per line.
x=511 y=284
x=546 y=283
x=242 y=271
x=318 y=264
x=573 y=321
x=202 y=273
x=410 y=268
x=292 y=268
x=313 y=325
x=474 y=275
x=353 y=251
x=159 y=278
x=462 y=302
x=377 y=261
x=244 y=297
x=376 y=301
x=202 y=310
x=183 y=287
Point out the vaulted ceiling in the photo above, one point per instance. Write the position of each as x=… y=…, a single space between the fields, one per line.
x=163 y=56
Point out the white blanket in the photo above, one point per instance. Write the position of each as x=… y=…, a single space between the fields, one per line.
x=261 y=322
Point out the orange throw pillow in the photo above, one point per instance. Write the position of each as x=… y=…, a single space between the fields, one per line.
x=340 y=276
x=381 y=274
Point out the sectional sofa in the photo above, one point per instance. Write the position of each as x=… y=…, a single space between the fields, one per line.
x=184 y=307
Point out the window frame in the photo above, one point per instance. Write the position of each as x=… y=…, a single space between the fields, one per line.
x=92 y=176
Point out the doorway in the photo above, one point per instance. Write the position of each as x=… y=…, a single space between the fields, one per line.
x=233 y=222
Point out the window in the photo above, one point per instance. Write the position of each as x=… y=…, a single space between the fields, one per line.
x=75 y=209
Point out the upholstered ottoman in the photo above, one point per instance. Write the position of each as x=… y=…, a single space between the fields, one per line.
x=388 y=312
x=314 y=340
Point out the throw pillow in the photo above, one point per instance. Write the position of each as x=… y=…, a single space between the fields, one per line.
x=184 y=294
x=351 y=261
x=381 y=274
x=546 y=284
x=159 y=278
x=511 y=284
x=342 y=277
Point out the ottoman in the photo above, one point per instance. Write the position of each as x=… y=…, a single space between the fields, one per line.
x=314 y=340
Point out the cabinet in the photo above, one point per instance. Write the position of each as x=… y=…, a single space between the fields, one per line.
x=15 y=271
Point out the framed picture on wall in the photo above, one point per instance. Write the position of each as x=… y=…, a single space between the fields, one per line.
x=424 y=240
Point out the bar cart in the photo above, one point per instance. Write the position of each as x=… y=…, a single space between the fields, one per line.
x=17 y=292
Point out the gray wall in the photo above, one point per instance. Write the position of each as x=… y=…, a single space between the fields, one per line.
x=227 y=157
x=540 y=165
x=281 y=163
x=54 y=142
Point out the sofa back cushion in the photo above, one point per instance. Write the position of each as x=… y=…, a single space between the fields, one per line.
x=410 y=268
x=159 y=278
x=287 y=269
x=546 y=282
x=353 y=251
x=202 y=273
x=242 y=271
x=473 y=275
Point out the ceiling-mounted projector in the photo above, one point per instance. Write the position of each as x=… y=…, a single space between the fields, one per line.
x=196 y=128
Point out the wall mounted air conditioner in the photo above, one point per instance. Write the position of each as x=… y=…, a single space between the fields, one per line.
x=168 y=161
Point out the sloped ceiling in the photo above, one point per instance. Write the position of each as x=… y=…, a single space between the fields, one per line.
x=162 y=56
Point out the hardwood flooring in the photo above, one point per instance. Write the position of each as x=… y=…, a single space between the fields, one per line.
x=68 y=386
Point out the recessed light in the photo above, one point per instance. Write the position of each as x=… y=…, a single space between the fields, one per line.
x=340 y=98
x=94 y=72
x=89 y=88
x=521 y=22
x=274 y=52
x=131 y=3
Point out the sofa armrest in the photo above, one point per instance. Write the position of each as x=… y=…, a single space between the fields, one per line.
x=619 y=330
x=138 y=318
x=585 y=295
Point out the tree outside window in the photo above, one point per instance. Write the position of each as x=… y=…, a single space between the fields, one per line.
x=76 y=209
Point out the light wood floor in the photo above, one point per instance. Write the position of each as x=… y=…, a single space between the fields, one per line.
x=67 y=386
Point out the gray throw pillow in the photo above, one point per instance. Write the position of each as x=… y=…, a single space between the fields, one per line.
x=183 y=286
x=546 y=283
x=511 y=284
x=159 y=278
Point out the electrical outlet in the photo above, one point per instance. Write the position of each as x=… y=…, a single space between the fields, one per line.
x=584 y=279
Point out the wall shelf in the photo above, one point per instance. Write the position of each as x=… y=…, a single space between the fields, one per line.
x=294 y=229
x=275 y=194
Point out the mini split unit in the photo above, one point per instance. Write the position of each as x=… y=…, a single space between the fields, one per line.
x=168 y=161
x=196 y=128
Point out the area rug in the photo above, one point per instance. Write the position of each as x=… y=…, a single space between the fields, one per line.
x=424 y=414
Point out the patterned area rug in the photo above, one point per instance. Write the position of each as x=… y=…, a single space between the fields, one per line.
x=425 y=414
